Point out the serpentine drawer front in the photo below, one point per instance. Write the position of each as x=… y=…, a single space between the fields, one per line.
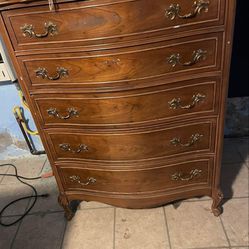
x=164 y=178
x=128 y=95
x=135 y=145
x=95 y=22
x=189 y=98
x=190 y=55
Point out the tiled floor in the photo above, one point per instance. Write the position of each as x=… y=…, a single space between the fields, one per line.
x=99 y=226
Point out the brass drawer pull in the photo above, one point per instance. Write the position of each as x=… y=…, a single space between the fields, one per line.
x=197 y=56
x=67 y=147
x=193 y=140
x=43 y=73
x=89 y=180
x=50 y=29
x=179 y=176
x=176 y=102
x=174 y=10
x=71 y=112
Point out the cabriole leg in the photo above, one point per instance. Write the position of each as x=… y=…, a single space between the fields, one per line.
x=66 y=206
x=217 y=199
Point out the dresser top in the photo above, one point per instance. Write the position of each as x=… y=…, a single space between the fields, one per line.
x=11 y=4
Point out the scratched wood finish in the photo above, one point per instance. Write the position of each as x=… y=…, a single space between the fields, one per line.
x=138 y=181
x=129 y=107
x=95 y=22
x=124 y=65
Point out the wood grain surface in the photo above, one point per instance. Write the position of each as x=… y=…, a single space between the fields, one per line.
x=129 y=107
x=96 y=22
x=124 y=145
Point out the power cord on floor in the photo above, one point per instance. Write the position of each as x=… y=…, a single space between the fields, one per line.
x=34 y=196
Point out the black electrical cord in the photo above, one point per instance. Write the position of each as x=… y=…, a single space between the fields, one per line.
x=35 y=195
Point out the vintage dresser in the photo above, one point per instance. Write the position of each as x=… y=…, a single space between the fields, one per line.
x=128 y=95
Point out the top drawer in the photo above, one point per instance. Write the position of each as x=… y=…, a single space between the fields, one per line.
x=101 y=22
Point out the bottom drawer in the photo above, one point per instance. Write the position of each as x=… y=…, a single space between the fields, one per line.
x=191 y=174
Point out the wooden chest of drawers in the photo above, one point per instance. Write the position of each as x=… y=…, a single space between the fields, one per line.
x=128 y=95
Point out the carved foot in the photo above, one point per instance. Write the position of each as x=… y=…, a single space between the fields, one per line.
x=69 y=214
x=216 y=206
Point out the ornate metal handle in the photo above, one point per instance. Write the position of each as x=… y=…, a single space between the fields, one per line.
x=197 y=55
x=193 y=140
x=71 y=112
x=50 y=29
x=43 y=73
x=89 y=180
x=67 y=147
x=176 y=102
x=179 y=176
x=174 y=10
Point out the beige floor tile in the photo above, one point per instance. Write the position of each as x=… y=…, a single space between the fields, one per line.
x=90 y=229
x=50 y=203
x=193 y=225
x=236 y=221
x=41 y=231
x=230 y=153
x=92 y=204
x=234 y=180
x=10 y=192
x=28 y=167
x=140 y=229
x=7 y=235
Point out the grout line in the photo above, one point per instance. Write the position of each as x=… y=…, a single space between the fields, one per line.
x=34 y=213
x=217 y=247
x=247 y=164
x=225 y=232
x=46 y=212
x=240 y=154
x=12 y=215
x=114 y=228
x=29 y=202
x=43 y=166
x=167 y=227
x=15 y=235
x=1 y=179
x=225 y=198
x=63 y=234
x=236 y=198
x=235 y=247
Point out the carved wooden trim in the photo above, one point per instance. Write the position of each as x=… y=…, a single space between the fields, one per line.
x=217 y=200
